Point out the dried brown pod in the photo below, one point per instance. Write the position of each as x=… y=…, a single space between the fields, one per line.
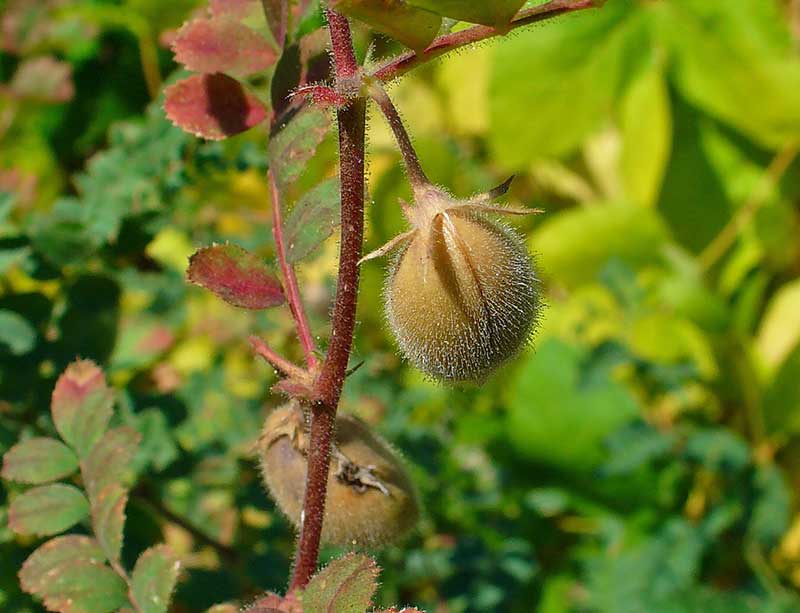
x=371 y=500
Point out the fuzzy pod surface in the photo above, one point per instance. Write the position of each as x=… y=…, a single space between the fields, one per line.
x=461 y=296
x=371 y=500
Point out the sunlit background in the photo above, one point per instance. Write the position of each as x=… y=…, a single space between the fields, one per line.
x=642 y=455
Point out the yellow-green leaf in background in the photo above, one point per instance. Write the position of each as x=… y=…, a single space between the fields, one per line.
x=779 y=331
x=646 y=125
x=493 y=13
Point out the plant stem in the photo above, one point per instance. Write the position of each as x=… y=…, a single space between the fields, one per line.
x=742 y=218
x=397 y=66
x=276 y=360
x=289 y=278
x=328 y=387
x=416 y=175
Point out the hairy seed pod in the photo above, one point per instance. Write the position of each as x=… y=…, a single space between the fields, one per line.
x=370 y=500
x=461 y=295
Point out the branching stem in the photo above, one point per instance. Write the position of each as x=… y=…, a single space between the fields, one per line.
x=328 y=387
x=401 y=64
x=289 y=278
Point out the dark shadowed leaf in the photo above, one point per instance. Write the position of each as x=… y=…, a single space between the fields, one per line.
x=277 y=12
x=108 y=519
x=295 y=144
x=110 y=459
x=213 y=106
x=16 y=333
x=237 y=276
x=222 y=45
x=154 y=578
x=85 y=587
x=50 y=560
x=39 y=460
x=346 y=585
x=47 y=509
x=494 y=13
x=313 y=219
x=82 y=405
x=413 y=27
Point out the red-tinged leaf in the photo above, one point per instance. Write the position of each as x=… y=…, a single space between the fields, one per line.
x=43 y=79
x=313 y=219
x=237 y=276
x=39 y=460
x=413 y=27
x=495 y=13
x=50 y=559
x=154 y=578
x=47 y=509
x=85 y=587
x=81 y=406
x=212 y=106
x=222 y=45
x=277 y=12
x=108 y=519
x=346 y=585
x=110 y=460
x=295 y=144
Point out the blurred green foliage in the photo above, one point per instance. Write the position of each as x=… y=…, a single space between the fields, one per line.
x=642 y=456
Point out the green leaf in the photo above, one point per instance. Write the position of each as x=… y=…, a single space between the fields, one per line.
x=16 y=334
x=772 y=510
x=51 y=558
x=82 y=405
x=411 y=26
x=495 y=13
x=154 y=578
x=646 y=125
x=39 y=460
x=782 y=399
x=346 y=585
x=85 y=587
x=779 y=331
x=312 y=219
x=577 y=65
x=108 y=519
x=237 y=276
x=295 y=144
x=110 y=460
x=559 y=415
x=47 y=509
x=575 y=244
x=724 y=66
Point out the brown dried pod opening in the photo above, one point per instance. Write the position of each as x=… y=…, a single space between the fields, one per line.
x=371 y=500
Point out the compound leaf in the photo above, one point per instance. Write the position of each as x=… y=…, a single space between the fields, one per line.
x=47 y=509
x=81 y=406
x=346 y=585
x=39 y=460
x=154 y=578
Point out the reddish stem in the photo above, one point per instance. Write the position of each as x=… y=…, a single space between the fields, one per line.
x=289 y=278
x=274 y=358
x=328 y=387
x=416 y=175
x=404 y=62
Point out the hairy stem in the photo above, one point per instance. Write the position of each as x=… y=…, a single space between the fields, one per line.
x=289 y=278
x=416 y=175
x=397 y=66
x=328 y=387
